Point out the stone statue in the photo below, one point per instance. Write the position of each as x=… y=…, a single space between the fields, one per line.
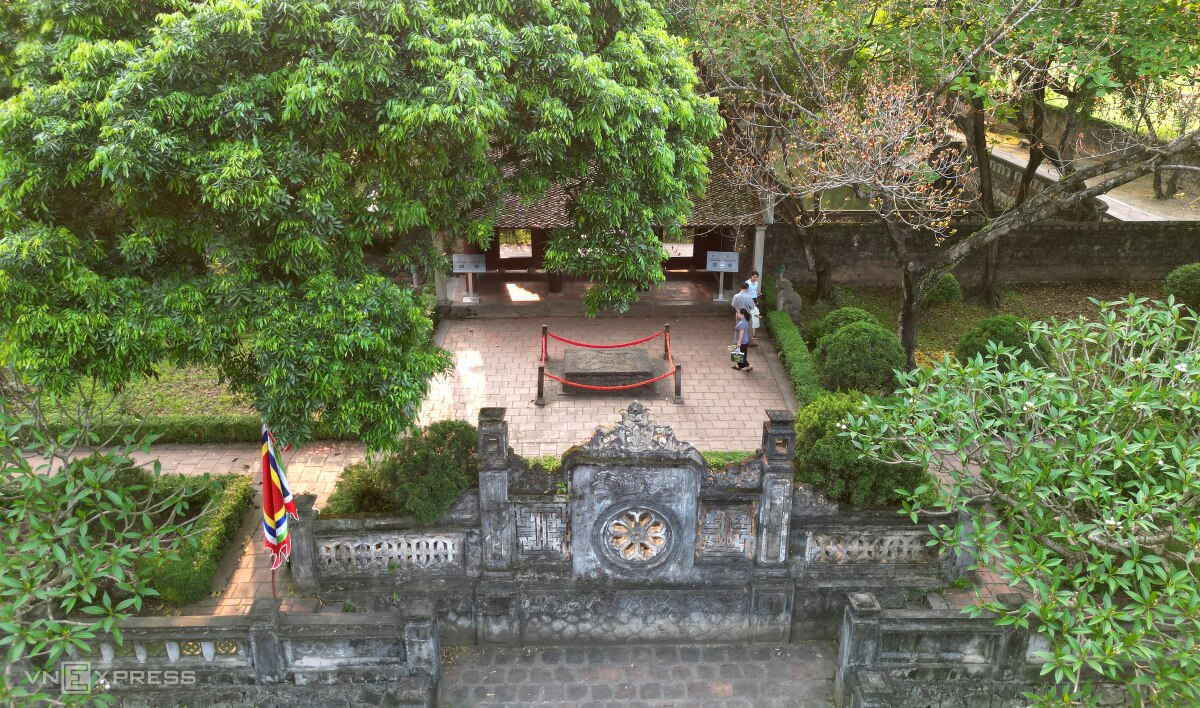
x=787 y=300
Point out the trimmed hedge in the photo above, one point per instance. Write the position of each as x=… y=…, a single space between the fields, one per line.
x=422 y=479
x=1184 y=284
x=794 y=354
x=1005 y=329
x=861 y=356
x=217 y=428
x=189 y=577
x=945 y=291
x=832 y=322
x=837 y=469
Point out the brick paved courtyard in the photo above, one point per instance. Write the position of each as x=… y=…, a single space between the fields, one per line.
x=495 y=364
x=796 y=675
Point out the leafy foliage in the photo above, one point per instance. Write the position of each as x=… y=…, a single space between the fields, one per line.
x=861 y=356
x=1090 y=470
x=76 y=529
x=1000 y=329
x=795 y=356
x=835 y=320
x=423 y=478
x=202 y=183
x=945 y=291
x=1183 y=284
x=829 y=461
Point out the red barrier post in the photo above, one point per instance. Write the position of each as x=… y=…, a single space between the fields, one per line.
x=541 y=397
x=667 y=341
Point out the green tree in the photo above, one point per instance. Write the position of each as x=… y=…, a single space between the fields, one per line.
x=80 y=537
x=204 y=182
x=1089 y=470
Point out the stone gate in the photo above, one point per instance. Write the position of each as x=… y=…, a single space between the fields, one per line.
x=633 y=540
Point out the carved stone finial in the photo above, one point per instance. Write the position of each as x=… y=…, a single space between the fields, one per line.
x=636 y=434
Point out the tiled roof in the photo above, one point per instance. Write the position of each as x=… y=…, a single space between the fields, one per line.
x=725 y=203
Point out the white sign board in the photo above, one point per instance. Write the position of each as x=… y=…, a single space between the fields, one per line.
x=723 y=261
x=468 y=263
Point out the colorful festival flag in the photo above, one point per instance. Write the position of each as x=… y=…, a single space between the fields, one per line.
x=277 y=502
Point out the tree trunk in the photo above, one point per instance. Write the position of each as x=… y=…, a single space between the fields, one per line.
x=976 y=132
x=907 y=324
x=810 y=245
x=908 y=319
x=1159 y=192
x=989 y=285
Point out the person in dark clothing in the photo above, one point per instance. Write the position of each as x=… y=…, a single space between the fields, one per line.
x=741 y=338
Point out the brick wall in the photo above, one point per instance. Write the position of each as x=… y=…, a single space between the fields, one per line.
x=1050 y=251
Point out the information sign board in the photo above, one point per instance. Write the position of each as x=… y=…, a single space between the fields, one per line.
x=468 y=263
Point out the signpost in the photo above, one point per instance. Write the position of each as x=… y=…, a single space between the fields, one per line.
x=722 y=262
x=469 y=263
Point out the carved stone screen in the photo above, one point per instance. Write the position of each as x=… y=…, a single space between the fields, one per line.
x=633 y=502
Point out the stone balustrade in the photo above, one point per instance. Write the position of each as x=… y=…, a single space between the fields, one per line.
x=892 y=657
x=266 y=654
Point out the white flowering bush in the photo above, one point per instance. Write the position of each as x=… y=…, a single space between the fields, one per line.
x=1089 y=473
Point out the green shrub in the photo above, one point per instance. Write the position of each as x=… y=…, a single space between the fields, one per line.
x=861 y=356
x=835 y=320
x=360 y=488
x=1184 y=284
x=837 y=469
x=769 y=292
x=188 y=578
x=188 y=429
x=945 y=291
x=794 y=354
x=422 y=479
x=1005 y=329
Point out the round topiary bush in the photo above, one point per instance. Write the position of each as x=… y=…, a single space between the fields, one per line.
x=1003 y=329
x=837 y=469
x=945 y=291
x=861 y=356
x=1184 y=284
x=835 y=320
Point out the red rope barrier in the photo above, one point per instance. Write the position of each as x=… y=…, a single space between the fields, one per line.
x=604 y=346
x=612 y=388
x=670 y=362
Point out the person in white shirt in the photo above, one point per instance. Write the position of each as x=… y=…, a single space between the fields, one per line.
x=752 y=287
x=744 y=301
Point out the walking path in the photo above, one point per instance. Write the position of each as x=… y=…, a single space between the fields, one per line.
x=796 y=675
x=1130 y=202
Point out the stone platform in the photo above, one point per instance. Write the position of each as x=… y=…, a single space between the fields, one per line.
x=607 y=367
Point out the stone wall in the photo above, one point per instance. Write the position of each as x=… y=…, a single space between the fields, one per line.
x=893 y=657
x=272 y=658
x=647 y=545
x=1050 y=251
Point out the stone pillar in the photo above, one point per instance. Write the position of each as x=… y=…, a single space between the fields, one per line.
x=775 y=512
x=266 y=649
x=760 y=247
x=957 y=564
x=439 y=278
x=771 y=610
x=304 y=545
x=498 y=606
x=496 y=518
x=422 y=650
x=859 y=644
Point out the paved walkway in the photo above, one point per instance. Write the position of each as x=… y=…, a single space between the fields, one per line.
x=495 y=364
x=793 y=676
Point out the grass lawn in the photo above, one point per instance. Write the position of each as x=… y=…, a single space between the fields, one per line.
x=940 y=328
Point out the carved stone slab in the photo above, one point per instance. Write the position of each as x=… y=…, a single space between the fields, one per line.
x=606 y=367
x=725 y=531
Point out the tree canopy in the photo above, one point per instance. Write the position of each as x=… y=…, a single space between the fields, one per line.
x=209 y=182
x=1080 y=474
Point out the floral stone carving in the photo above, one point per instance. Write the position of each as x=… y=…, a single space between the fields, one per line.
x=636 y=537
